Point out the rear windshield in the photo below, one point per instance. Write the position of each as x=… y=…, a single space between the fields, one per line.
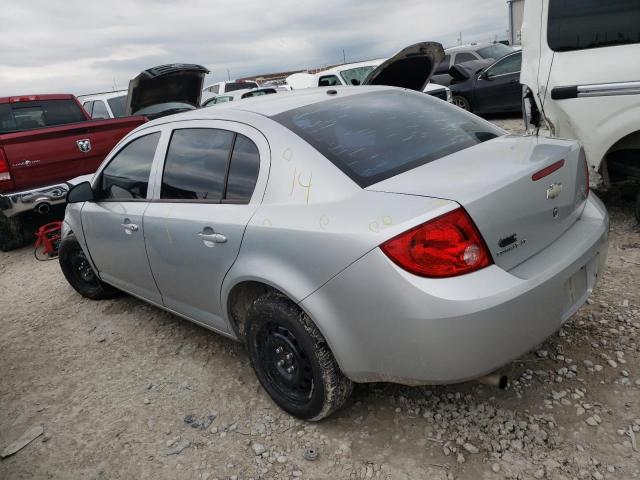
x=377 y=135
x=20 y=116
x=233 y=86
x=495 y=51
x=118 y=106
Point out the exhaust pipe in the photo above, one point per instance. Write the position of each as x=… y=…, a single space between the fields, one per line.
x=43 y=208
x=494 y=380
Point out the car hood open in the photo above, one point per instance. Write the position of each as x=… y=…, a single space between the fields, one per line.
x=412 y=67
x=176 y=82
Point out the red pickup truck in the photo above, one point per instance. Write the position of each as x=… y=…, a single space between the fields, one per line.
x=46 y=140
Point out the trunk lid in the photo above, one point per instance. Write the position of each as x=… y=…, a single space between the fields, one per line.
x=177 y=82
x=412 y=67
x=516 y=215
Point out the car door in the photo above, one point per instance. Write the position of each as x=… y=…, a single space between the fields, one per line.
x=112 y=224
x=194 y=227
x=497 y=88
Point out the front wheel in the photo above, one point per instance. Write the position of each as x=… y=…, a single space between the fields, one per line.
x=292 y=360
x=462 y=102
x=12 y=232
x=79 y=273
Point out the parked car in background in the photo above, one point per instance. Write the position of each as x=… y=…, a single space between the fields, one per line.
x=105 y=105
x=220 y=88
x=361 y=73
x=46 y=140
x=467 y=53
x=582 y=79
x=493 y=89
x=237 y=95
x=165 y=90
x=345 y=235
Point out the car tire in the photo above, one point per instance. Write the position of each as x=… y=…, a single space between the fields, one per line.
x=292 y=360
x=462 y=102
x=79 y=272
x=12 y=233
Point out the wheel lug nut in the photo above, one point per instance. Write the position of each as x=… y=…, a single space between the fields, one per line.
x=280 y=363
x=290 y=369
x=279 y=350
x=289 y=356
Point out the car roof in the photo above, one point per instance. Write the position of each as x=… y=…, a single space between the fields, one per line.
x=468 y=47
x=34 y=98
x=268 y=105
x=107 y=95
x=349 y=66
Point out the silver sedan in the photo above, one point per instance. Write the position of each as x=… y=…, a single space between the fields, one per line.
x=344 y=235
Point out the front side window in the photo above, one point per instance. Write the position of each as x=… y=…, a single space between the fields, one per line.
x=126 y=177
x=354 y=132
x=224 y=99
x=582 y=24
x=328 y=81
x=196 y=164
x=505 y=66
x=99 y=110
x=355 y=76
x=243 y=171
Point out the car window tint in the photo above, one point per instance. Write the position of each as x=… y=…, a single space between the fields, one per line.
x=443 y=66
x=494 y=51
x=582 y=24
x=99 y=110
x=510 y=64
x=328 y=81
x=196 y=163
x=376 y=135
x=355 y=76
x=243 y=171
x=39 y=113
x=223 y=99
x=464 y=57
x=127 y=175
x=118 y=106
x=233 y=86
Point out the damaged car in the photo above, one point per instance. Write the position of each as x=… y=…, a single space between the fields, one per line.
x=371 y=234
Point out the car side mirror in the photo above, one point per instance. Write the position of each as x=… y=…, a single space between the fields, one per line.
x=81 y=192
x=484 y=76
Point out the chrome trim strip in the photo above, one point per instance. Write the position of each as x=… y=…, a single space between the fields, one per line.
x=609 y=89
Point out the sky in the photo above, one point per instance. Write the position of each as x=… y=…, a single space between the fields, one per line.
x=91 y=46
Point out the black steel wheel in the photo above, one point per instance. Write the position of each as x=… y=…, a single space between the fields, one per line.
x=78 y=271
x=292 y=360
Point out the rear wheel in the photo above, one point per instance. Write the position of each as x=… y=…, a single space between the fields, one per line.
x=292 y=359
x=462 y=102
x=12 y=232
x=79 y=273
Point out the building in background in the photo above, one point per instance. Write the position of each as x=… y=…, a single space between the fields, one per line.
x=516 y=11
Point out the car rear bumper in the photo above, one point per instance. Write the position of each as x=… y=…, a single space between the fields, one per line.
x=15 y=203
x=384 y=324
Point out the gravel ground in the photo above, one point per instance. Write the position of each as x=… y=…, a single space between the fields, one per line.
x=124 y=390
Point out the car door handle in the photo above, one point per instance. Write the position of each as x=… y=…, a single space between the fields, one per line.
x=129 y=227
x=212 y=237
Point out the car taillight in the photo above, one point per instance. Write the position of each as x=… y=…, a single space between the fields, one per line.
x=5 y=173
x=446 y=246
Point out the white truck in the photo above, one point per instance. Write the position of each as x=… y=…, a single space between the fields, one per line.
x=581 y=80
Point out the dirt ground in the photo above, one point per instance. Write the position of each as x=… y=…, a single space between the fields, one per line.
x=113 y=383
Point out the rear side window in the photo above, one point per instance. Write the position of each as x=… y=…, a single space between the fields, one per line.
x=88 y=106
x=19 y=116
x=376 y=135
x=99 y=110
x=464 y=57
x=118 y=106
x=583 y=24
x=328 y=81
x=233 y=86
x=126 y=178
x=243 y=171
x=196 y=164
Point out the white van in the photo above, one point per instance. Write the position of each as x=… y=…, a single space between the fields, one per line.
x=581 y=75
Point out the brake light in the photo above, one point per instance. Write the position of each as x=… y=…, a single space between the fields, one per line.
x=545 y=172
x=5 y=173
x=446 y=246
